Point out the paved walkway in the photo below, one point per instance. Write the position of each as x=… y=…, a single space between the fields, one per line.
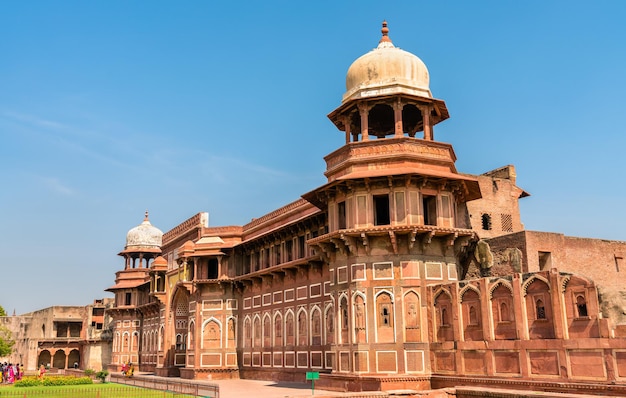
x=239 y=388
x=268 y=389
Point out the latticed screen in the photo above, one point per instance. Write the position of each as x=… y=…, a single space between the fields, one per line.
x=182 y=308
x=507 y=222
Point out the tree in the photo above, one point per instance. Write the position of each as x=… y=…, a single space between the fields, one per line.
x=6 y=342
x=2 y=311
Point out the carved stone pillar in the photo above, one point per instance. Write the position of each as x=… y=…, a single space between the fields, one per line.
x=397 y=118
x=428 y=128
x=346 y=123
x=364 y=112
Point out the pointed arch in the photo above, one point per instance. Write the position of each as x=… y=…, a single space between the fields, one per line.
x=316 y=325
x=290 y=333
x=256 y=331
x=465 y=289
x=180 y=312
x=442 y=315
x=385 y=317
x=503 y=311
x=267 y=330
x=247 y=332
x=161 y=337
x=533 y=279
x=134 y=342
x=329 y=324
x=125 y=342
x=539 y=308
x=441 y=291
x=211 y=333
x=231 y=333
x=278 y=329
x=500 y=282
x=344 y=318
x=303 y=327
x=360 y=317
x=191 y=333
x=412 y=316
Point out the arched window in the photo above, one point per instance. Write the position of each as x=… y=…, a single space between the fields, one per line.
x=344 y=314
x=231 y=332
x=540 y=309
x=289 y=326
x=316 y=327
x=473 y=317
x=444 y=317
x=267 y=331
x=212 y=334
x=581 y=306
x=278 y=330
x=179 y=342
x=302 y=329
x=192 y=334
x=247 y=332
x=504 y=312
x=385 y=310
x=257 y=332
x=330 y=325
x=486 y=221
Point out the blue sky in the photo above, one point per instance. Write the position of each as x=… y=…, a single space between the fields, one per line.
x=111 y=108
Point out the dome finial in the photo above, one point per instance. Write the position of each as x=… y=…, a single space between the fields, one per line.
x=146 y=216
x=385 y=32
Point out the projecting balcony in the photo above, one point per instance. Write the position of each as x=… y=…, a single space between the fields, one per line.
x=348 y=240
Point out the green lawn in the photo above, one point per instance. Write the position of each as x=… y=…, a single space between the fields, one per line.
x=108 y=390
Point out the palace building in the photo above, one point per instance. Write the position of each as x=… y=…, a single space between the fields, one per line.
x=398 y=272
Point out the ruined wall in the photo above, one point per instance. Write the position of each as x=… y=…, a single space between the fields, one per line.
x=600 y=260
x=497 y=212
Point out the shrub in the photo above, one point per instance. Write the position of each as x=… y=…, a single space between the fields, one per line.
x=53 y=381
x=102 y=375
x=90 y=372
x=28 y=382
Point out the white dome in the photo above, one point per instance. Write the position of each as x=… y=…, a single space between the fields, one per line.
x=145 y=235
x=387 y=70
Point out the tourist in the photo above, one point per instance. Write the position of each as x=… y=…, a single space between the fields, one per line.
x=11 y=374
x=42 y=371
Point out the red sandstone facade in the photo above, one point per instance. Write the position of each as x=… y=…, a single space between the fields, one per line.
x=382 y=278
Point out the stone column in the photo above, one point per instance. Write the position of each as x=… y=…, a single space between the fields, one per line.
x=364 y=112
x=519 y=303
x=346 y=123
x=428 y=128
x=397 y=116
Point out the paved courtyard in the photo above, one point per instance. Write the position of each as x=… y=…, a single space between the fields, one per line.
x=268 y=389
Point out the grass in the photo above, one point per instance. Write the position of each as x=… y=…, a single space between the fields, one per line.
x=107 y=390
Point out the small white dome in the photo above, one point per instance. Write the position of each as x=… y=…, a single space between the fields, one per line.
x=145 y=235
x=387 y=70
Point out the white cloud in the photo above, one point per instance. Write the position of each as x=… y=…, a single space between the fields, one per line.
x=57 y=186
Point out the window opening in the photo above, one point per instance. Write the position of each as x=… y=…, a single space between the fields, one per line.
x=473 y=318
x=341 y=215
x=289 y=249
x=127 y=299
x=301 y=247
x=486 y=221
x=541 y=310
x=545 y=260
x=504 y=312
x=444 y=317
x=581 y=305
x=213 y=265
x=381 y=210
x=429 y=204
